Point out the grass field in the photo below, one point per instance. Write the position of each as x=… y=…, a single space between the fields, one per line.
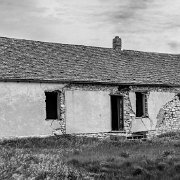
x=70 y=157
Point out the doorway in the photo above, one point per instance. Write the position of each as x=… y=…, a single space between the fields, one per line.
x=117 y=113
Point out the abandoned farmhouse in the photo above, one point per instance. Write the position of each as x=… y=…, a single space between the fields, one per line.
x=46 y=87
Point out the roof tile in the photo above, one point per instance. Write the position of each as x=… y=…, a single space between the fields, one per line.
x=27 y=60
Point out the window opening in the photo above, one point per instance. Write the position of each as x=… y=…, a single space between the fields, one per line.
x=51 y=105
x=141 y=104
x=178 y=95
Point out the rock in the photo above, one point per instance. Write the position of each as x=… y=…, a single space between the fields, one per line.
x=57 y=132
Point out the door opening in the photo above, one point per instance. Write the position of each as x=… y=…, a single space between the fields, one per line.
x=117 y=113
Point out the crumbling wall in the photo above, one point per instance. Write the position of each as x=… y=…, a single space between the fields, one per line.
x=168 y=118
x=23 y=107
x=157 y=97
x=62 y=120
x=128 y=111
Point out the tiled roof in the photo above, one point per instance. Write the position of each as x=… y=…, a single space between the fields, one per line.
x=44 y=61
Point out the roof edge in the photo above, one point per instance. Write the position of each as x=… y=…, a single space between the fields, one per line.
x=86 y=82
x=82 y=45
x=52 y=42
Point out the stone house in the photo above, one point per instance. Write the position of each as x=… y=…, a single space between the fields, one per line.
x=82 y=89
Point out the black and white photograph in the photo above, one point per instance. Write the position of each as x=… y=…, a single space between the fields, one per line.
x=89 y=90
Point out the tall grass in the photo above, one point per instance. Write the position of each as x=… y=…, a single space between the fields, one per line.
x=70 y=157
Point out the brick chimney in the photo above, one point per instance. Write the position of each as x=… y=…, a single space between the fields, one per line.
x=117 y=43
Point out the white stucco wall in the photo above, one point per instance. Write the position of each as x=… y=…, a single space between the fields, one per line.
x=132 y=97
x=87 y=111
x=22 y=109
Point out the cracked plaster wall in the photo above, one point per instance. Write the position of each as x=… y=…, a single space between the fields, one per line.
x=22 y=109
x=158 y=98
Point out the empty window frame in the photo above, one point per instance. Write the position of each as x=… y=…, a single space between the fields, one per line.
x=178 y=95
x=52 y=105
x=141 y=104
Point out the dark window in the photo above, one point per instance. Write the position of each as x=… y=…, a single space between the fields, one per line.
x=141 y=105
x=178 y=95
x=51 y=105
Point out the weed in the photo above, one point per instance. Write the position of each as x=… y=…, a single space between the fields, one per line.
x=173 y=134
x=110 y=159
x=167 y=153
x=74 y=162
x=137 y=170
x=70 y=157
x=161 y=166
x=124 y=154
x=177 y=167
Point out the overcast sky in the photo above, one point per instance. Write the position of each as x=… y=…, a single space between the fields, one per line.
x=147 y=25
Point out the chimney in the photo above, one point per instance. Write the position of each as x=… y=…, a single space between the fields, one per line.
x=117 y=43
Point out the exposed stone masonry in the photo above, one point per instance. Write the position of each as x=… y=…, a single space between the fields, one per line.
x=169 y=117
x=62 y=112
x=127 y=110
x=154 y=88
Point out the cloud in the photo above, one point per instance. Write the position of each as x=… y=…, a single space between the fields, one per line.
x=25 y=19
x=116 y=11
x=149 y=25
x=49 y=20
x=174 y=45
